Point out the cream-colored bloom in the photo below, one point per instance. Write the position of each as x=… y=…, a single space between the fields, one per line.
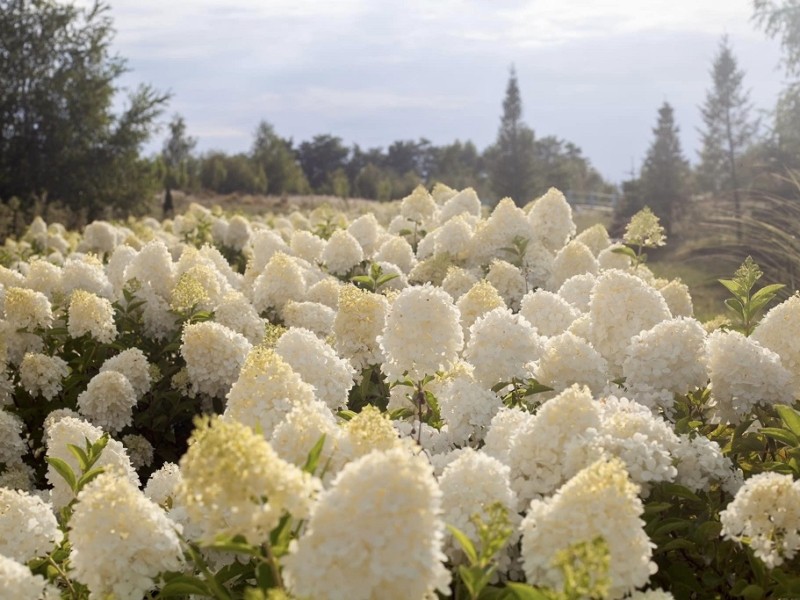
x=90 y=314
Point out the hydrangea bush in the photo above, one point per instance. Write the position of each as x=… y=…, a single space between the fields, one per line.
x=431 y=400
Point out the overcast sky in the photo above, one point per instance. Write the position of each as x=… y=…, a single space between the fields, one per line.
x=593 y=72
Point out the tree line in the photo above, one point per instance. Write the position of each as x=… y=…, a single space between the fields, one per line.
x=62 y=142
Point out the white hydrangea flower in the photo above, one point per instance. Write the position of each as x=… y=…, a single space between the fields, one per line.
x=45 y=277
x=629 y=431
x=470 y=483
x=418 y=206
x=577 y=290
x=280 y=281
x=378 y=508
x=700 y=463
x=506 y=223
x=441 y=192
x=509 y=282
x=502 y=347
x=465 y=202
x=101 y=237
x=153 y=265
x=90 y=314
x=266 y=390
x=476 y=302
x=454 y=238
x=27 y=309
x=307 y=246
x=317 y=364
x=301 y=429
x=238 y=233
x=595 y=237
x=468 y=409
x=551 y=218
x=214 y=355
x=263 y=244
x=599 y=501
x=422 y=334
x=139 y=450
x=365 y=229
x=743 y=374
x=28 y=526
x=651 y=595
x=313 y=316
x=325 y=291
x=621 y=306
x=358 y=323
x=342 y=252
x=458 y=282
x=163 y=483
x=108 y=401
x=670 y=356
x=548 y=312
x=42 y=375
x=220 y=501
x=120 y=539
x=398 y=251
x=679 y=301
x=133 y=364
x=17 y=582
x=17 y=476
x=70 y=430
x=573 y=259
x=85 y=272
x=567 y=359
x=779 y=331
x=539 y=447
x=766 y=515
x=236 y=312
x=12 y=446
x=159 y=321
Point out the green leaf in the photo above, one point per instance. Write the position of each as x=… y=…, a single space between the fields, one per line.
x=312 y=462
x=89 y=476
x=237 y=544
x=682 y=492
x=768 y=291
x=80 y=455
x=624 y=250
x=734 y=305
x=64 y=470
x=346 y=414
x=184 y=585
x=465 y=543
x=733 y=287
x=679 y=544
x=776 y=433
x=790 y=417
x=523 y=591
x=752 y=592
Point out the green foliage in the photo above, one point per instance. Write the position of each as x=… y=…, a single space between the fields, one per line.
x=745 y=303
x=510 y=161
x=61 y=139
x=643 y=231
x=374 y=280
x=275 y=157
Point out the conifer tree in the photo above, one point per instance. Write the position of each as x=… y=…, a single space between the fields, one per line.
x=665 y=171
x=510 y=160
x=728 y=131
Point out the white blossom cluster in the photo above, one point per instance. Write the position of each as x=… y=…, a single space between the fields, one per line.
x=480 y=305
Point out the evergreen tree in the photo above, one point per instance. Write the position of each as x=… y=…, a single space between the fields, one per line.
x=728 y=132
x=665 y=171
x=175 y=156
x=510 y=161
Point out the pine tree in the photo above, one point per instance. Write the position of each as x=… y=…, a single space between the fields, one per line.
x=511 y=160
x=729 y=131
x=665 y=171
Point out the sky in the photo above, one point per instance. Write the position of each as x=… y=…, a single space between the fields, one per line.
x=593 y=72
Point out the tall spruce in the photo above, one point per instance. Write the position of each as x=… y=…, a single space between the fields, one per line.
x=665 y=171
x=728 y=131
x=511 y=160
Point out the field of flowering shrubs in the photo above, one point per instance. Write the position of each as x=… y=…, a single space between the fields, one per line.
x=427 y=401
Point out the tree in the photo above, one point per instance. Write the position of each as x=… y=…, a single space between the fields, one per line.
x=175 y=155
x=728 y=132
x=665 y=171
x=274 y=155
x=321 y=157
x=59 y=139
x=510 y=160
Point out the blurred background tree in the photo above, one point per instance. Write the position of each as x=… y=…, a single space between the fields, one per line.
x=60 y=139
